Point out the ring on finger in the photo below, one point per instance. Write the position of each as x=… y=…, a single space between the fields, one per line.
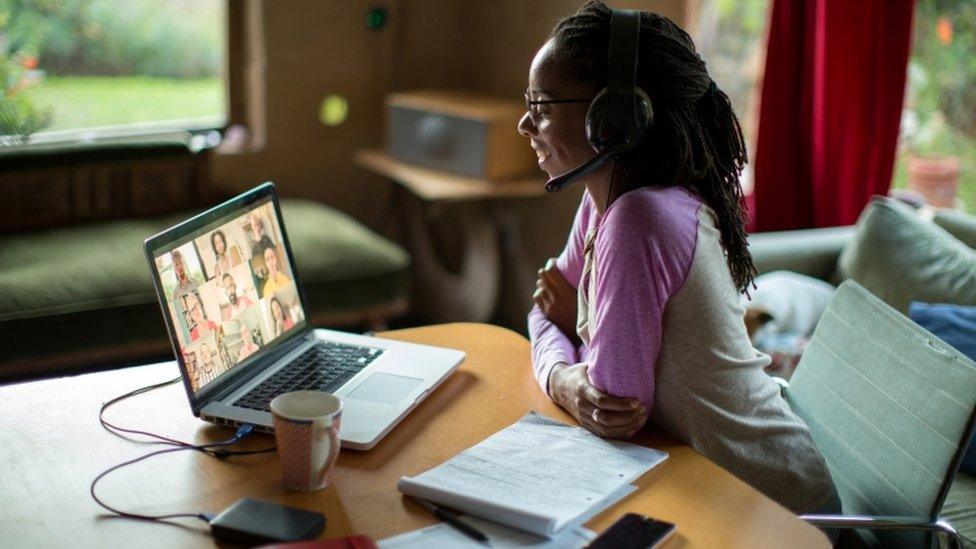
x=595 y=414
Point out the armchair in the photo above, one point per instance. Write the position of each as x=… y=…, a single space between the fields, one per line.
x=891 y=408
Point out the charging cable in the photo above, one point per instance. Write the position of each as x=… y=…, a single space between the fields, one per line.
x=214 y=449
x=221 y=453
x=242 y=432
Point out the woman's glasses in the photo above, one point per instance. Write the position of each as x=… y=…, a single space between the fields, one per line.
x=532 y=105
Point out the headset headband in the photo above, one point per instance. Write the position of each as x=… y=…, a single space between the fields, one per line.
x=622 y=71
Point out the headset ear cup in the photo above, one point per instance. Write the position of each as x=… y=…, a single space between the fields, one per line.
x=600 y=130
x=645 y=112
x=597 y=131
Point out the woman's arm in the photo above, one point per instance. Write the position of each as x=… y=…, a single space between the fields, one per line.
x=643 y=254
x=557 y=299
x=551 y=347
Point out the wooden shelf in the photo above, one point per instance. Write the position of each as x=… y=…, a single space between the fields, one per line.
x=436 y=185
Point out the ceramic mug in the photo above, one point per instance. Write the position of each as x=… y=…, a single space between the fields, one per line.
x=306 y=427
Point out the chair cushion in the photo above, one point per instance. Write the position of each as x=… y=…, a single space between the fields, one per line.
x=956 y=325
x=70 y=289
x=900 y=258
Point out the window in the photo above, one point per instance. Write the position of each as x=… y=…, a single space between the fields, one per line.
x=731 y=37
x=83 y=70
x=937 y=146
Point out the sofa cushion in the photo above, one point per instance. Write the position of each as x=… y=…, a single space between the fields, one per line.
x=960 y=508
x=812 y=252
x=958 y=224
x=902 y=258
x=80 y=289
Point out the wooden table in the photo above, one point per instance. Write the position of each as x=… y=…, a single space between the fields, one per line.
x=53 y=446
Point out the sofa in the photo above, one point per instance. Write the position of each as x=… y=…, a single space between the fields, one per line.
x=80 y=297
x=900 y=254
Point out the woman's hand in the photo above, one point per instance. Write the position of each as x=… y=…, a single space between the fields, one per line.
x=605 y=415
x=556 y=299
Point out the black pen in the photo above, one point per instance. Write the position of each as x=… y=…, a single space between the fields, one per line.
x=465 y=529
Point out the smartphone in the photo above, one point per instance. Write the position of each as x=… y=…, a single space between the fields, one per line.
x=633 y=531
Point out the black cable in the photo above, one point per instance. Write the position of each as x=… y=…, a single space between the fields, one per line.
x=214 y=449
x=242 y=432
x=219 y=453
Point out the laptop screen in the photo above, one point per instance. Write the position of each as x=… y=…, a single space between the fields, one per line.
x=230 y=291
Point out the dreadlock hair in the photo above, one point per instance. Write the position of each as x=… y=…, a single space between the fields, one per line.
x=695 y=140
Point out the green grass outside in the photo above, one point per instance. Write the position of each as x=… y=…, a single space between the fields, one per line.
x=88 y=101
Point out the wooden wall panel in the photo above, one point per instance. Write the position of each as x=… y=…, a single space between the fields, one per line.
x=315 y=47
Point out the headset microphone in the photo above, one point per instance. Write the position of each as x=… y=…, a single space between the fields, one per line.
x=560 y=182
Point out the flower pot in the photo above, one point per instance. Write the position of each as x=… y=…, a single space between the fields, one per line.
x=934 y=177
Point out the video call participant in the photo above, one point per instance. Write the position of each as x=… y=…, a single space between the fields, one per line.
x=276 y=279
x=184 y=284
x=652 y=270
x=190 y=359
x=261 y=240
x=223 y=260
x=248 y=347
x=200 y=324
x=206 y=361
x=282 y=322
x=237 y=302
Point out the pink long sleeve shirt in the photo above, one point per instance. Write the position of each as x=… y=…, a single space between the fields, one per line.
x=661 y=321
x=644 y=245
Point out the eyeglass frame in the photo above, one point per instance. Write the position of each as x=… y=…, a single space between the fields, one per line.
x=529 y=103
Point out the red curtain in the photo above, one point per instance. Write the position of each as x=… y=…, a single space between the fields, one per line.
x=830 y=109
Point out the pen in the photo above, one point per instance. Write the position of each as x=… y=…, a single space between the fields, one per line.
x=465 y=529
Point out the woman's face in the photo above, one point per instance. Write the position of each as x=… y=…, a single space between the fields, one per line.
x=271 y=260
x=219 y=246
x=276 y=311
x=557 y=132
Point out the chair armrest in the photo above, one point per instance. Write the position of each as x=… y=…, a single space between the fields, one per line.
x=938 y=525
x=813 y=252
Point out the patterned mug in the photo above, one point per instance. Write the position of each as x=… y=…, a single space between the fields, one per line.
x=307 y=433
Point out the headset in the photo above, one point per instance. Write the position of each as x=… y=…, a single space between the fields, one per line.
x=620 y=113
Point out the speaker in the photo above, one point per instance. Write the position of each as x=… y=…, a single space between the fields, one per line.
x=461 y=132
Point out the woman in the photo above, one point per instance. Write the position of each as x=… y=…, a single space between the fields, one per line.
x=248 y=347
x=648 y=282
x=223 y=260
x=276 y=279
x=282 y=323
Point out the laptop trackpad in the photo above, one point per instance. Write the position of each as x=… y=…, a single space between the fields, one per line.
x=384 y=388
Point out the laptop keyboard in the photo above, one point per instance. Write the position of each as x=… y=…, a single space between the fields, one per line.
x=324 y=367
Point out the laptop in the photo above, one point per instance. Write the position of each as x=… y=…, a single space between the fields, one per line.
x=238 y=320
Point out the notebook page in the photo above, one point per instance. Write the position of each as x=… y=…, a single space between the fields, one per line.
x=538 y=474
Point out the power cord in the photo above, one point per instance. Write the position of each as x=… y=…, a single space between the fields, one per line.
x=219 y=453
x=214 y=449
